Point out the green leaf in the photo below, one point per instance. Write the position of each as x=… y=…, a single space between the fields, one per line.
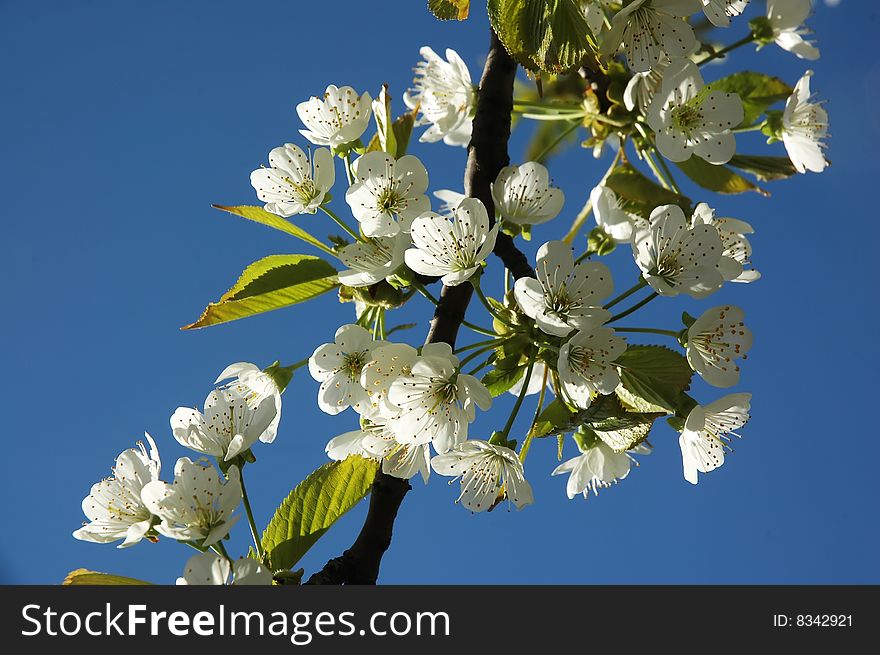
x=401 y=131
x=720 y=179
x=640 y=195
x=764 y=168
x=544 y=35
x=499 y=380
x=86 y=577
x=260 y=215
x=655 y=374
x=449 y=9
x=382 y=114
x=316 y=504
x=634 y=403
x=626 y=432
x=270 y=283
x=557 y=417
x=756 y=90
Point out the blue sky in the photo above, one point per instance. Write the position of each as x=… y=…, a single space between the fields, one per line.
x=123 y=121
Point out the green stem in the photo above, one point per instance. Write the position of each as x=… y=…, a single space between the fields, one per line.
x=668 y=172
x=668 y=333
x=341 y=223
x=638 y=305
x=479 y=352
x=480 y=367
x=348 y=174
x=476 y=284
x=524 y=450
x=520 y=398
x=733 y=46
x=656 y=170
x=757 y=127
x=478 y=344
x=626 y=294
x=562 y=135
x=220 y=549
x=255 y=534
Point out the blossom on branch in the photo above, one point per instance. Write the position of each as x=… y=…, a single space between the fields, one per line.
x=452 y=249
x=234 y=419
x=198 y=505
x=715 y=341
x=445 y=97
x=704 y=437
x=688 y=118
x=387 y=194
x=565 y=296
x=435 y=402
x=338 y=119
x=523 y=195
x=586 y=366
x=208 y=568
x=485 y=471
x=597 y=467
x=114 y=506
x=372 y=260
x=786 y=19
x=338 y=366
x=804 y=126
x=675 y=258
x=294 y=183
x=647 y=29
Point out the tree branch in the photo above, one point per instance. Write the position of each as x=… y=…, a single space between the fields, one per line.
x=487 y=155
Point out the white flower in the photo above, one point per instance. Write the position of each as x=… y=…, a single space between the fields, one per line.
x=256 y=385
x=675 y=258
x=737 y=250
x=689 y=119
x=642 y=87
x=715 y=341
x=387 y=188
x=704 y=437
x=611 y=217
x=535 y=381
x=485 y=471
x=445 y=96
x=646 y=29
x=376 y=441
x=233 y=420
x=292 y=184
x=372 y=260
x=523 y=195
x=450 y=200
x=114 y=507
x=452 y=248
x=585 y=364
x=211 y=569
x=719 y=12
x=387 y=363
x=804 y=125
x=198 y=505
x=339 y=118
x=435 y=403
x=786 y=18
x=338 y=365
x=597 y=467
x=565 y=296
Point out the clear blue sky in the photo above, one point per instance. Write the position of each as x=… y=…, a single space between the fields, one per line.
x=122 y=121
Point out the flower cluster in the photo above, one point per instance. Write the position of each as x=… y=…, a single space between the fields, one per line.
x=198 y=507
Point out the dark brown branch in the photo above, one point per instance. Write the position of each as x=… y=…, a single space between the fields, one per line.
x=487 y=155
